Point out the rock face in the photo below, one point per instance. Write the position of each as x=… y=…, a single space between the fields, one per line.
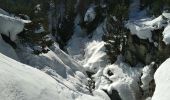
x=144 y=51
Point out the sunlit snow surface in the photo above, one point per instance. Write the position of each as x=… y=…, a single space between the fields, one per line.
x=162 y=80
x=22 y=82
x=143 y=28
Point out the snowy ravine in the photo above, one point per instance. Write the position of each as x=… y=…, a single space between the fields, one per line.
x=51 y=76
x=57 y=75
x=83 y=71
x=90 y=52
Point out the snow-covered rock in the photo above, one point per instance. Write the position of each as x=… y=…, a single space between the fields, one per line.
x=166 y=35
x=147 y=76
x=166 y=15
x=119 y=77
x=143 y=28
x=11 y=26
x=162 y=80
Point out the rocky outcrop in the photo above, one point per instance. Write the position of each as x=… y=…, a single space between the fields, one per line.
x=140 y=50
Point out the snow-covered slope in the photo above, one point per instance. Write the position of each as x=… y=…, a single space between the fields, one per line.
x=22 y=82
x=57 y=64
x=162 y=80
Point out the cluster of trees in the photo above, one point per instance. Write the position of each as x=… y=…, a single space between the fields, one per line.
x=115 y=32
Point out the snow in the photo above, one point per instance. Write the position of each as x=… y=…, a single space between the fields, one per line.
x=166 y=35
x=148 y=73
x=143 y=28
x=162 y=80
x=90 y=52
x=77 y=42
x=94 y=53
x=90 y=15
x=123 y=79
x=4 y=12
x=11 y=26
x=166 y=15
x=37 y=8
x=22 y=82
x=57 y=80
x=87 y=97
x=57 y=64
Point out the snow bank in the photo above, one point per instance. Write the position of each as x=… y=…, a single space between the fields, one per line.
x=22 y=82
x=11 y=26
x=162 y=80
